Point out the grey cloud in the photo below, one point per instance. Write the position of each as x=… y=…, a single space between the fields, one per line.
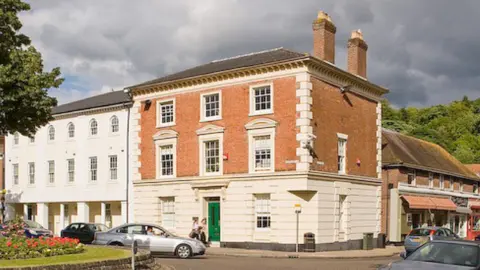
x=425 y=52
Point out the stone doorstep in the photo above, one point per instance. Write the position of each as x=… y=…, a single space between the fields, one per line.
x=375 y=253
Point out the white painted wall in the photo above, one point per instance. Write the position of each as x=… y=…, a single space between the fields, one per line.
x=319 y=212
x=62 y=148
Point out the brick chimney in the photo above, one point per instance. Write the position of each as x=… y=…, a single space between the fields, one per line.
x=357 y=54
x=324 y=37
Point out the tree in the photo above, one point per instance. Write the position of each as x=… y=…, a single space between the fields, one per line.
x=24 y=102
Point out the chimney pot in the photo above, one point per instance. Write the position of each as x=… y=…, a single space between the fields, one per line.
x=324 y=37
x=357 y=54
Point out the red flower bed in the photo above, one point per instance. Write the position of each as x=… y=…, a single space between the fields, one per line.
x=16 y=246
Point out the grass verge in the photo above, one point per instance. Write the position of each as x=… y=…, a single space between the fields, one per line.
x=90 y=254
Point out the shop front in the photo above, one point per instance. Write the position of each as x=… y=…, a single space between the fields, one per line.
x=458 y=220
x=425 y=211
x=473 y=228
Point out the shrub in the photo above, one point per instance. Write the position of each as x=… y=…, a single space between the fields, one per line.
x=25 y=248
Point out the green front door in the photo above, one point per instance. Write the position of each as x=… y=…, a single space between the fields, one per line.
x=214 y=221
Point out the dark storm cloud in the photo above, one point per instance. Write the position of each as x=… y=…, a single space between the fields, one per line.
x=425 y=52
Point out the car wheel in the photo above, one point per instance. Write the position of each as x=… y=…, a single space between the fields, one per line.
x=118 y=244
x=183 y=251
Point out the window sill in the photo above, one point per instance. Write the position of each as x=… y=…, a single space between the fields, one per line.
x=116 y=134
x=210 y=119
x=211 y=174
x=262 y=171
x=166 y=125
x=50 y=185
x=93 y=137
x=166 y=177
x=70 y=184
x=264 y=230
x=92 y=183
x=260 y=113
x=111 y=181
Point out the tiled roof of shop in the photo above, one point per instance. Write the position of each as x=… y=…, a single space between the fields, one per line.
x=400 y=149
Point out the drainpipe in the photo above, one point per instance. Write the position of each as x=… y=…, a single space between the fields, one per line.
x=128 y=156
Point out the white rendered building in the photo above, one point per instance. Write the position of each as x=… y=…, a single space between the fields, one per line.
x=75 y=168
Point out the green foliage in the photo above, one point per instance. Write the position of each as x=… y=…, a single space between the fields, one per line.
x=455 y=127
x=24 y=102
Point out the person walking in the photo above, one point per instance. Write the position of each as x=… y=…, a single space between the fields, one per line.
x=2 y=210
x=195 y=229
x=203 y=230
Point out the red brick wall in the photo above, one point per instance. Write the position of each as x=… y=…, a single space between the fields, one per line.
x=235 y=111
x=350 y=114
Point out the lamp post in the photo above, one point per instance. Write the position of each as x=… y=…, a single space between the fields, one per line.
x=298 y=210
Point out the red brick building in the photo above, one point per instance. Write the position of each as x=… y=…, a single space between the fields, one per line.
x=246 y=140
x=423 y=185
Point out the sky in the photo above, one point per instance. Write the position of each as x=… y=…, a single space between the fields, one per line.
x=425 y=52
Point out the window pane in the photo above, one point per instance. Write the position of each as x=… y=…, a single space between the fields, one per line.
x=93 y=127
x=263 y=98
x=262 y=148
x=114 y=124
x=71 y=130
x=113 y=167
x=93 y=169
x=262 y=210
x=51 y=171
x=71 y=170
x=167 y=111
x=168 y=212
x=212 y=156
x=166 y=159
x=212 y=105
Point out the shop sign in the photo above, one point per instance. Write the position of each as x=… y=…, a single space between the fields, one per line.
x=459 y=201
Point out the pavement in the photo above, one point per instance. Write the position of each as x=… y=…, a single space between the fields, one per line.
x=389 y=251
x=241 y=263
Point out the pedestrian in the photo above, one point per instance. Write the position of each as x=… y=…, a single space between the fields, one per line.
x=195 y=229
x=203 y=230
x=2 y=210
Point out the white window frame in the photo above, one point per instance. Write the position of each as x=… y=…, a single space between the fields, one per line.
x=113 y=170
x=72 y=180
x=112 y=125
x=51 y=133
x=252 y=99
x=16 y=138
x=90 y=128
x=412 y=172
x=203 y=117
x=91 y=170
x=430 y=180
x=252 y=134
x=442 y=181
x=159 y=112
x=460 y=182
x=268 y=214
x=201 y=144
x=51 y=172
x=158 y=160
x=70 y=125
x=15 y=174
x=475 y=188
x=31 y=173
x=344 y=138
x=167 y=208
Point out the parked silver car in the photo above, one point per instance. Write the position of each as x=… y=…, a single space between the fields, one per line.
x=152 y=237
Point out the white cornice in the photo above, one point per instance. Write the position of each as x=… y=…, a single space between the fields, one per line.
x=261 y=123
x=210 y=129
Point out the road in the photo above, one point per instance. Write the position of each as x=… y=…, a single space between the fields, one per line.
x=248 y=263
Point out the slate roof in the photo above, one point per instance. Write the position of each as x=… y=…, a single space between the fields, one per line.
x=403 y=150
x=241 y=61
x=103 y=100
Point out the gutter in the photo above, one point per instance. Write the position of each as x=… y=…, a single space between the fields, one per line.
x=128 y=155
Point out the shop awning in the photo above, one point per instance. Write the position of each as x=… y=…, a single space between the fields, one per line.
x=444 y=204
x=423 y=202
x=464 y=210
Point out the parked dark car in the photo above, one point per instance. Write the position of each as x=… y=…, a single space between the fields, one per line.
x=440 y=254
x=33 y=229
x=85 y=232
x=420 y=236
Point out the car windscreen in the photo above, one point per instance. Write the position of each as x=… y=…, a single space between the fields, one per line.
x=420 y=232
x=447 y=253
x=32 y=224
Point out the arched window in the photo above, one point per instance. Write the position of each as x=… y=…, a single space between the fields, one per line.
x=71 y=130
x=16 y=138
x=93 y=127
x=51 y=133
x=114 y=124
